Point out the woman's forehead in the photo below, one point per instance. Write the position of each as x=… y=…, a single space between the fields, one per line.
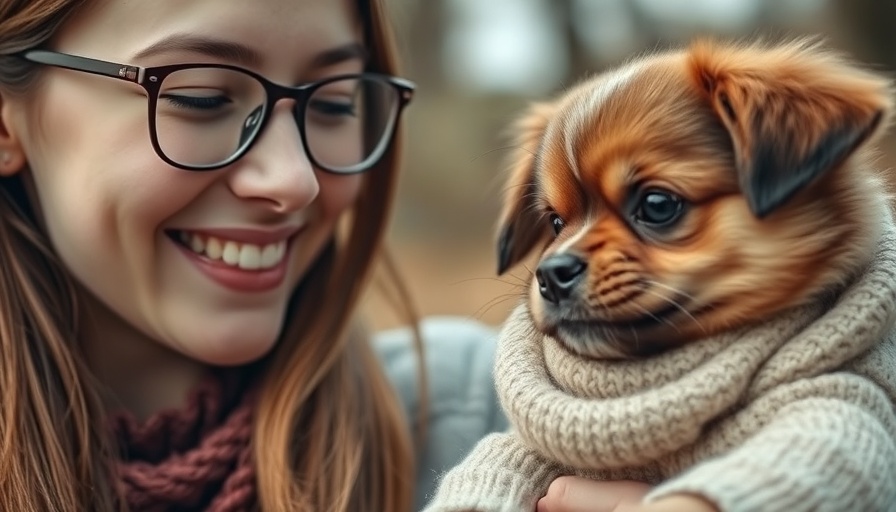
x=275 y=31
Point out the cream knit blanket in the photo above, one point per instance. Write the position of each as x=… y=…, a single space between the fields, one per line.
x=794 y=414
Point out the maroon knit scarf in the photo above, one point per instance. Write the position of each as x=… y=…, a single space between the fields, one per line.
x=194 y=458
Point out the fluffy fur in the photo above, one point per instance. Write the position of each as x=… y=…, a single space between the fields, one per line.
x=693 y=191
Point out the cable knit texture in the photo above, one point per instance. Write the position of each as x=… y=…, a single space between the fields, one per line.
x=195 y=458
x=793 y=414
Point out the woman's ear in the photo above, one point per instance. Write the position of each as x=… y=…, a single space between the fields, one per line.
x=12 y=155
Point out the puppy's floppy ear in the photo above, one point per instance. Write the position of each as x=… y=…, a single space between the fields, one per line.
x=793 y=111
x=521 y=226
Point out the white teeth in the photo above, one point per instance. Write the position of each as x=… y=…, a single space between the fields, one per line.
x=250 y=257
x=271 y=254
x=196 y=244
x=231 y=254
x=244 y=256
x=213 y=248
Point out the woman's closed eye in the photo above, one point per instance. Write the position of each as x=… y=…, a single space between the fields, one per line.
x=195 y=101
x=332 y=108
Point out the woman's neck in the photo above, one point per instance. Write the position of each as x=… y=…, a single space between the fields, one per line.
x=137 y=374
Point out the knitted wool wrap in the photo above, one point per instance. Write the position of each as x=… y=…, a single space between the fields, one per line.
x=794 y=413
x=194 y=458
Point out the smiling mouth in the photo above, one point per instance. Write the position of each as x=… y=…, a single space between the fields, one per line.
x=230 y=253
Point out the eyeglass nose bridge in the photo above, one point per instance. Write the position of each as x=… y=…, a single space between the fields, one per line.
x=258 y=119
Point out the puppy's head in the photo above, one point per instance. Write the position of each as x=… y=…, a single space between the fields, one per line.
x=694 y=191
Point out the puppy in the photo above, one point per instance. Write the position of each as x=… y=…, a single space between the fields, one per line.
x=713 y=311
x=694 y=191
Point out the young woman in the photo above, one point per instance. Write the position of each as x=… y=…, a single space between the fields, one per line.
x=191 y=194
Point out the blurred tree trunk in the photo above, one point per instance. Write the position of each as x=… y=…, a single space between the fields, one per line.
x=870 y=27
x=578 y=57
x=427 y=31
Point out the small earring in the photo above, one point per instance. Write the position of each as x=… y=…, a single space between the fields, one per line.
x=5 y=157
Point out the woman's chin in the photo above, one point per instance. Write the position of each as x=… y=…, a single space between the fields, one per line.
x=232 y=348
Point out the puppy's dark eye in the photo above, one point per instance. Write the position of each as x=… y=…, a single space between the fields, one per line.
x=557 y=223
x=659 y=208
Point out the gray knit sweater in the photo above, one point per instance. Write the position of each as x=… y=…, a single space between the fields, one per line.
x=794 y=414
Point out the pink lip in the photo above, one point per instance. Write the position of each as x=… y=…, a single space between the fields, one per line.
x=235 y=278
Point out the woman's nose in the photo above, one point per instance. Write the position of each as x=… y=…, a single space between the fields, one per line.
x=276 y=170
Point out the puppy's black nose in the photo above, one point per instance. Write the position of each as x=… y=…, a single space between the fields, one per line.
x=558 y=276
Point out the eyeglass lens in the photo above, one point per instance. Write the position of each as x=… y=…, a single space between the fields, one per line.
x=204 y=116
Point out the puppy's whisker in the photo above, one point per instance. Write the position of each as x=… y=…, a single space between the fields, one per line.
x=509 y=187
x=492 y=303
x=495 y=150
x=520 y=281
x=530 y=271
x=677 y=291
x=612 y=338
x=701 y=304
x=517 y=282
x=677 y=305
x=635 y=339
x=532 y=199
x=654 y=317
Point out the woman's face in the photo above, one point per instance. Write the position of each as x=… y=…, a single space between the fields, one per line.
x=128 y=226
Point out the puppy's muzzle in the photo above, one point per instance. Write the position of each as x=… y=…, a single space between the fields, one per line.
x=559 y=275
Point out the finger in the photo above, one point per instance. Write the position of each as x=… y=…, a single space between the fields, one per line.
x=576 y=494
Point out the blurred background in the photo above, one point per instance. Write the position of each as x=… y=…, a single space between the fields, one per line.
x=478 y=63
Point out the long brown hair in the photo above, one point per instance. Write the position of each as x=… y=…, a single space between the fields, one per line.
x=329 y=434
x=353 y=450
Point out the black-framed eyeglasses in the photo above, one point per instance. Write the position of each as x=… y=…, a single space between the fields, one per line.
x=204 y=117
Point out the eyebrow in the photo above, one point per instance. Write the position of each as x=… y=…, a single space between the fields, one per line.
x=211 y=47
x=243 y=54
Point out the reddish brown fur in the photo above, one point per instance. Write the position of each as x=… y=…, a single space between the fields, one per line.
x=706 y=123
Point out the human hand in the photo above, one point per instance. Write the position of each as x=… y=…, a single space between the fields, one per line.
x=575 y=494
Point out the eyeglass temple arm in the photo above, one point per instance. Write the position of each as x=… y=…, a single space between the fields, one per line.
x=95 y=66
